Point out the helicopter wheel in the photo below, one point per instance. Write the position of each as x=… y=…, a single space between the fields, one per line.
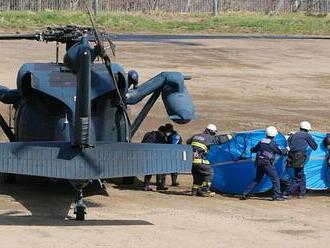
x=80 y=213
x=80 y=209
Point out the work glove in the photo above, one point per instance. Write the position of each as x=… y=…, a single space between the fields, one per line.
x=230 y=136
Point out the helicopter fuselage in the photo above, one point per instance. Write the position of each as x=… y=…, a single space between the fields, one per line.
x=46 y=112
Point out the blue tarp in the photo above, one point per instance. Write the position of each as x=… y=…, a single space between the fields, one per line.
x=233 y=163
x=316 y=169
x=234 y=169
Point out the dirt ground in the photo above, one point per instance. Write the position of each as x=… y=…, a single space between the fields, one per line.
x=238 y=85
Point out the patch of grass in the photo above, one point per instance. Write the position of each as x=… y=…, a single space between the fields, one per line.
x=159 y=22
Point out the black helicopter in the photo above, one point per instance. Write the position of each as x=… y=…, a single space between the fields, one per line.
x=71 y=119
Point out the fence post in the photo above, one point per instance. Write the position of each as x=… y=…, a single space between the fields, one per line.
x=215 y=7
x=96 y=7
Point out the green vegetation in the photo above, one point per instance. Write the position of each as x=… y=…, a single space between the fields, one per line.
x=173 y=23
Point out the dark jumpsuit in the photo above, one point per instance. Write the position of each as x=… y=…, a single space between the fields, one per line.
x=266 y=150
x=201 y=168
x=326 y=144
x=154 y=137
x=298 y=144
x=175 y=139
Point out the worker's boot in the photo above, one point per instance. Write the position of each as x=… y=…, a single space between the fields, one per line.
x=161 y=182
x=208 y=194
x=205 y=191
x=278 y=198
x=244 y=197
x=147 y=187
x=287 y=197
x=174 y=177
x=162 y=187
x=194 y=189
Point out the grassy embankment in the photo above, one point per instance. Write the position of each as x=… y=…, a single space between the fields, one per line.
x=170 y=23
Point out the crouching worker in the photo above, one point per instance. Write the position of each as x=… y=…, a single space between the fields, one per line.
x=173 y=137
x=201 y=168
x=266 y=150
x=298 y=144
x=155 y=137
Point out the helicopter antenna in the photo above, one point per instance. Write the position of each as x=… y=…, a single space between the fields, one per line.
x=108 y=64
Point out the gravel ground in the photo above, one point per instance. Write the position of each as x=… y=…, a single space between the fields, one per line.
x=238 y=85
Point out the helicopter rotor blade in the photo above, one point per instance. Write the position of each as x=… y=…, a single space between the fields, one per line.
x=108 y=64
x=105 y=57
x=111 y=45
x=98 y=40
x=21 y=37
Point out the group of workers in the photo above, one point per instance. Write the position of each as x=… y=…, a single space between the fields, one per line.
x=266 y=150
x=164 y=135
x=296 y=151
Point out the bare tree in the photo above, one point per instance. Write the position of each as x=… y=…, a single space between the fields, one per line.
x=186 y=9
x=296 y=5
x=279 y=5
x=154 y=6
x=74 y=4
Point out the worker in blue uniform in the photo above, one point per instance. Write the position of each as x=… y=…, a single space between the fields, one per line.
x=298 y=144
x=201 y=168
x=265 y=151
x=173 y=137
x=326 y=144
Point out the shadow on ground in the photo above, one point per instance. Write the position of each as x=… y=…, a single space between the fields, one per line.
x=137 y=184
x=48 y=204
x=8 y=220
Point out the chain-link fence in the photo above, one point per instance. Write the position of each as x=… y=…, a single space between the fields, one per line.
x=176 y=6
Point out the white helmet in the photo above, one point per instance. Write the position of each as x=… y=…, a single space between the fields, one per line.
x=212 y=128
x=271 y=131
x=305 y=125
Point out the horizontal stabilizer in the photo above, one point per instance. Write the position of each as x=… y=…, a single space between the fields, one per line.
x=104 y=160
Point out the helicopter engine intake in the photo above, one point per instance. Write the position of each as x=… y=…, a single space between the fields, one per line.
x=177 y=100
x=178 y=104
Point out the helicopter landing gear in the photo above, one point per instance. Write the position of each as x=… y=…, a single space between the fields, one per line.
x=101 y=184
x=80 y=213
x=80 y=209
